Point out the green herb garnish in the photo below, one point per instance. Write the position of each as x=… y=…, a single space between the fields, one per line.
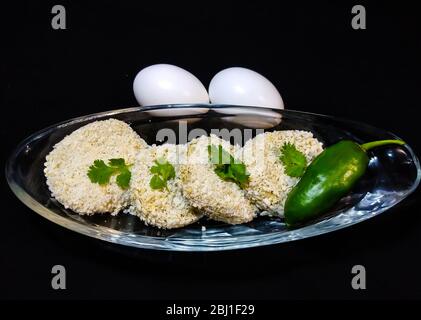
x=226 y=167
x=101 y=173
x=162 y=172
x=294 y=161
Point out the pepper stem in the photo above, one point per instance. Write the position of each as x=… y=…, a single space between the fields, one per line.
x=373 y=144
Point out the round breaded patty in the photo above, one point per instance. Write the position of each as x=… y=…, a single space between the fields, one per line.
x=269 y=185
x=218 y=199
x=67 y=165
x=165 y=208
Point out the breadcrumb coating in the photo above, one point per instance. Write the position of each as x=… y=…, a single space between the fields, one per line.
x=219 y=200
x=67 y=165
x=164 y=208
x=269 y=184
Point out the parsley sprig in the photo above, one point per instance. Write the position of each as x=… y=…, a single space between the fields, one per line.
x=101 y=173
x=162 y=172
x=226 y=167
x=294 y=161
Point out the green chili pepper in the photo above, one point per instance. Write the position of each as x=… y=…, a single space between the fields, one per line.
x=327 y=179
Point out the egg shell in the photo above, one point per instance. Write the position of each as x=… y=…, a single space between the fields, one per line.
x=168 y=84
x=241 y=86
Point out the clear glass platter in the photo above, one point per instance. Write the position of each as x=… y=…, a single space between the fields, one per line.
x=393 y=173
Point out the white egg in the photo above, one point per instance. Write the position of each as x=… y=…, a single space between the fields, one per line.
x=168 y=84
x=241 y=86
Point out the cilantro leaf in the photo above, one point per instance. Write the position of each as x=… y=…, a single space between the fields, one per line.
x=116 y=162
x=226 y=167
x=101 y=173
x=155 y=170
x=162 y=172
x=239 y=171
x=123 y=179
x=217 y=155
x=294 y=161
x=157 y=183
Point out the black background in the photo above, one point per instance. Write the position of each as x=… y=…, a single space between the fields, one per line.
x=315 y=59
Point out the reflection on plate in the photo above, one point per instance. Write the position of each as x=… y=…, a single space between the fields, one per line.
x=176 y=111
x=393 y=173
x=257 y=118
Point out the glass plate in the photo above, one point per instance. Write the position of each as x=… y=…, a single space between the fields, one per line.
x=393 y=173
